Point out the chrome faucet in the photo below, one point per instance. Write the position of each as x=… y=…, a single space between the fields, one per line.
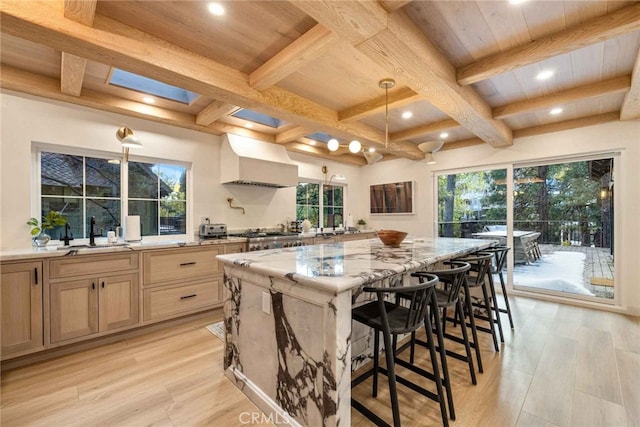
x=92 y=234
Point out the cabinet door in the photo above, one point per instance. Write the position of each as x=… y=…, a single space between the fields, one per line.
x=21 y=304
x=74 y=309
x=118 y=301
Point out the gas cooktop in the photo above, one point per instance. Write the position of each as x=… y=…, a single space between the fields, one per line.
x=253 y=235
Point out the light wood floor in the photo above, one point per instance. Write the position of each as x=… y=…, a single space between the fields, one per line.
x=562 y=365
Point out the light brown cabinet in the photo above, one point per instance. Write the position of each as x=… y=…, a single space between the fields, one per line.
x=358 y=236
x=183 y=280
x=321 y=240
x=84 y=307
x=21 y=287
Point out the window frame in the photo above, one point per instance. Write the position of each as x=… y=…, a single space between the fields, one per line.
x=36 y=183
x=322 y=185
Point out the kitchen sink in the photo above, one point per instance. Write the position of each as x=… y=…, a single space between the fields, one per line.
x=97 y=246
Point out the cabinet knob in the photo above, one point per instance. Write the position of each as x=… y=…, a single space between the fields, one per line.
x=102 y=285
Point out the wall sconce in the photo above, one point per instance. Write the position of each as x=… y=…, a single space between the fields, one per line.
x=337 y=177
x=127 y=140
x=429 y=148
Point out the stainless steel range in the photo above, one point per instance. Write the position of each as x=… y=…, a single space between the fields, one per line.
x=274 y=240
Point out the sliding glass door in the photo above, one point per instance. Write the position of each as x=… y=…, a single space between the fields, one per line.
x=563 y=228
x=561 y=222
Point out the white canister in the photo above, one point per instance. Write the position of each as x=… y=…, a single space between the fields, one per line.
x=132 y=228
x=111 y=237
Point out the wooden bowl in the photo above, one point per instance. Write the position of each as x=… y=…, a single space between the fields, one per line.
x=391 y=237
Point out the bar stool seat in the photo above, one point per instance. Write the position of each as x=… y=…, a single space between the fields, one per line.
x=393 y=319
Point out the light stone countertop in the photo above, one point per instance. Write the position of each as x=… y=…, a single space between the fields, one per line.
x=338 y=267
x=52 y=251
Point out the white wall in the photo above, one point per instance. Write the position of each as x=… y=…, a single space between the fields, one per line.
x=611 y=137
x=25 y=119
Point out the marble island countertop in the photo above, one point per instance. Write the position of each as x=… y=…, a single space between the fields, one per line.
x=102 y=247
x=338 y=267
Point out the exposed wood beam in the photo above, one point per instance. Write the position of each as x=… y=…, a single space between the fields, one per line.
x=619 y=84
x=542 y=129
x=584 y=34
x=72 y=67
x=397 y=99
x=299 y=147
x=306 y=49
x=393 y=5
x=214 y=111
x=568 y=124
x=418 y=131
x=127 y=48
x=396 y=43
x=461 y=144
x=291 y=134
x=21 y=81
x=631 y=104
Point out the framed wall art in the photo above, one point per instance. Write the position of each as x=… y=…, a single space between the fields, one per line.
x=392 y=198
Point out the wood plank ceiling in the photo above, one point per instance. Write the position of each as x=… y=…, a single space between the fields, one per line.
x=464 y=69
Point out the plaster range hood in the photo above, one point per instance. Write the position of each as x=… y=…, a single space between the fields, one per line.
x=247 y=161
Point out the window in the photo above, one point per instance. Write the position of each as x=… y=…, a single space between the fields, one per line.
x=328 y=211
x=158 y=194
x=81 y=187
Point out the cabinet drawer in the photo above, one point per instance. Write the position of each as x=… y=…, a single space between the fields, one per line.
x=171 y=301
x=183 y=264
x=93 y=265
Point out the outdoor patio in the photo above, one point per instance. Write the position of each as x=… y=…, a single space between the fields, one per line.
x=573 y=269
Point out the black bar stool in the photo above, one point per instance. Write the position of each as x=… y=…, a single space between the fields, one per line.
x=450 y=297
x=500 y=253
x=477 y=278
x=393 y=319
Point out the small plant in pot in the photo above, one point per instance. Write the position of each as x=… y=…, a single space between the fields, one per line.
x=49 y=221
x=361 y=224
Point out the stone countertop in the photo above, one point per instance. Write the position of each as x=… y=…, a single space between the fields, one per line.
x=338 y=267
x=52 y=251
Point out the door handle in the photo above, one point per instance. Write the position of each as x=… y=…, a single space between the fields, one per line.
x=103 y=285
x=35 y=270
x=187 y=263
x=189 y=296
x=93 y=285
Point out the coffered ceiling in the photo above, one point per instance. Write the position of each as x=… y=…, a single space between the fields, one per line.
x=462 y=68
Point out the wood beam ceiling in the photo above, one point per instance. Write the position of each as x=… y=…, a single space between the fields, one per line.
x=291 y=133
x=141 y=53
x=304 y=50
x=418 y=131
x=21 y=81
x=397 y=44
x=213 y=112
x=72 y=67
x=631 y=104
x=397 y=99
x=619 y=84
x=542 y=129
x=584 y=34
x=305 y=148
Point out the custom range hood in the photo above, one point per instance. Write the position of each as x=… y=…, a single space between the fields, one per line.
x=247 y=161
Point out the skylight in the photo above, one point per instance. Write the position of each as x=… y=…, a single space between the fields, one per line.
x=320 y=136
x=256 y=117
x=149 y=86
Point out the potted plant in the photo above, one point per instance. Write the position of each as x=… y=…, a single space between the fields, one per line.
x=49 y=221
x=361 y=224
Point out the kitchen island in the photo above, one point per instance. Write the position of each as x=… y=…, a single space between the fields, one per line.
x=289 y=342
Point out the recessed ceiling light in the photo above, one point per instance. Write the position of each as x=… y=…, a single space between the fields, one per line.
x=407 y=115
x=248 y=125
x=517 y=1
x=443 y=135
x=148 y=100
x=544 y=75
x=216 y=9
x=555 y=111
x=372 y=150
x=312 y=142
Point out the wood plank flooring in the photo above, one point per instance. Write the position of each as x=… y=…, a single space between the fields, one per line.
x=561 y=366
